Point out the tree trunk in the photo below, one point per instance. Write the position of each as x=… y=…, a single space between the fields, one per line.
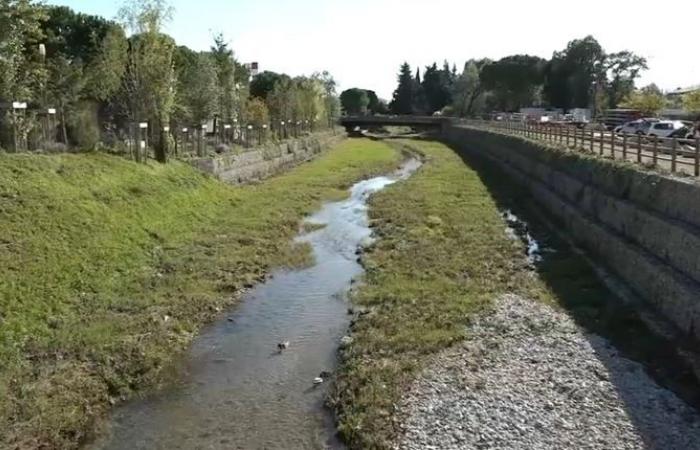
x=161 y=145
x=64 y=129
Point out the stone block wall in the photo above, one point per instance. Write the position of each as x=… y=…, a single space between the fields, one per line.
x=267 y=160
x=643 y=225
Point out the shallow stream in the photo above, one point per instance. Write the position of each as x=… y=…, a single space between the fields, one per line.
x=239 y=391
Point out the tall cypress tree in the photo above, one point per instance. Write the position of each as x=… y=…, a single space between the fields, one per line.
x=420 y=103
x=402 y=102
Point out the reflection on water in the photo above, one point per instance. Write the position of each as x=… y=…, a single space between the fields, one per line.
x=239 y=391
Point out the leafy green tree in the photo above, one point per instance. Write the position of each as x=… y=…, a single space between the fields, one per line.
x=257 y=112
x=22 y=74
x=311 y=99
x=265 y=82
x=373 y=106
x=65 y=86
x=571 y=73
x=149 y=82
x=691 y=102
x=468 y=90
x=404 y=95
x=226 y=78
x=242 y=90
x=623 y=68
x=197 y=87
x=86 y=61
x=283 y=100
x=355 y=101
x=649 y=100
x=513 y=81
x=331 y=101
x=105 y=71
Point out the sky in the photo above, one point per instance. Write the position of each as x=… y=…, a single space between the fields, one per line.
x=363 y=42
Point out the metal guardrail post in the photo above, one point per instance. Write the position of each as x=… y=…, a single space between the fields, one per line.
x=656 y=151
x=575 y=138
x=624 y=146
x=602 y=142
x=590 y=136
x=568 y=131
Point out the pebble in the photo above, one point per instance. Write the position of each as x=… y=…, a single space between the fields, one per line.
x=529 y=378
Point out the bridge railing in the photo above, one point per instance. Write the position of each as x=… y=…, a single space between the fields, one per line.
x=676 y=155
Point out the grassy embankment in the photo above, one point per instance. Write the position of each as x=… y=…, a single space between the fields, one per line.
x=443 y=255
x=108 y=268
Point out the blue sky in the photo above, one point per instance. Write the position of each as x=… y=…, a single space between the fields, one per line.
x=363 y=42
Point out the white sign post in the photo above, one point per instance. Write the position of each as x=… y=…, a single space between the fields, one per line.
x=17 y=107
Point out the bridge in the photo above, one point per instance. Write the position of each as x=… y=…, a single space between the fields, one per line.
x=351 y=122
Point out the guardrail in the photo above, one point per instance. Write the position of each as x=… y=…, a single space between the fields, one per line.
x=677 y=155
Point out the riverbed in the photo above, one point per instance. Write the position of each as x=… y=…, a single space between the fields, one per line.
x=238 y=390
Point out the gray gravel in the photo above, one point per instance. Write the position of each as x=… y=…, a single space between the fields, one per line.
x=529 y=378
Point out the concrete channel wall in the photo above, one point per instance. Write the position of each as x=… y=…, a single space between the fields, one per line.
x=267 y=160
x=644 y=226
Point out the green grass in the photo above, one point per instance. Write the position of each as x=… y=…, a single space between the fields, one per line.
x=108 y=268
x=443 y=255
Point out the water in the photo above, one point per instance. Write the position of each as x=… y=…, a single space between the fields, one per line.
x=239 y=392
x=518 y=229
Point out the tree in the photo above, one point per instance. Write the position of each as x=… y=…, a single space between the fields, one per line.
x=691 y=102
x=437 y=86
x=257 y=112
x=420 y=102
x=149 y=82
x=514 y=81
x=283 y=100
x=86 y=61
x=225 y=66
x=468 y=90
x=649 y=100
x=571 y=74
x=404 y=95
x=107 y=68
x=331 y=101
x=310 y=99
x=622 y=68
x=265 y=82
x=354 y=101
x=197 y=96
x=21 y=70
x=374 y=105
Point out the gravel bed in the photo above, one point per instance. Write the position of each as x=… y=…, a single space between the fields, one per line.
x=529 y=378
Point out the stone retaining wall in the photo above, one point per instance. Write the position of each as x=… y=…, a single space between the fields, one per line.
x=643 y=225
x=267 y=160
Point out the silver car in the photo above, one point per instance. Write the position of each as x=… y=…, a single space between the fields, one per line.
x=639 y=126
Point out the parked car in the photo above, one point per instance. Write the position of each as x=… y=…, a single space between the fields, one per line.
x=639 y=126
x=664 y=128
x=685 y=132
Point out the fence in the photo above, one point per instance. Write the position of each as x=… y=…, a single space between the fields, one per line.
x=676 y=155
x=134 y=140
